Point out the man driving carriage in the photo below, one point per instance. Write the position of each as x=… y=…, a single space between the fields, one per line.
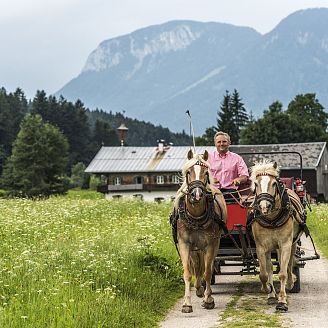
x=228 y=169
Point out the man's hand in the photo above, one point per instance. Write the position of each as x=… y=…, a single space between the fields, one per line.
x=236 y=182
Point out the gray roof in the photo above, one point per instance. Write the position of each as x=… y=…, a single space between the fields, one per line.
x=151 y=159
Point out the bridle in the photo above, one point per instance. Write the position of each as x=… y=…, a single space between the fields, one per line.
x=280 y=214
x=197 y=185
x=264 y=196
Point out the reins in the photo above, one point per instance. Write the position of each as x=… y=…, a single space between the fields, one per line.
x=239 y=200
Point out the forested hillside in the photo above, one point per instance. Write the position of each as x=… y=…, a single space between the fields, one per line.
x=85 y=130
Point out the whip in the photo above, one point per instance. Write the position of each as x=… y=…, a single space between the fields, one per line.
x=192 y=133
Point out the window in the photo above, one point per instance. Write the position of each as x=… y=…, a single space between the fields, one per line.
x=159 y=179
x=175 y=179
x=139 y=180
x=117 y=181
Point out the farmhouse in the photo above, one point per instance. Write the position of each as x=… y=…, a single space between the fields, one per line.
x=153 y=173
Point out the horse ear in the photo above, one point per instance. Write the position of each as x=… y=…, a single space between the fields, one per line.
x=205 y=156
x=190 y=154
x=275 y=165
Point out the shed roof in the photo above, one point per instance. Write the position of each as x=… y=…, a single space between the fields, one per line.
x=171 y=159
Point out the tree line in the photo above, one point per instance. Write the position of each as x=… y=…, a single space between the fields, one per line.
x=47 y=139
x=46 y=142
x=304 y=120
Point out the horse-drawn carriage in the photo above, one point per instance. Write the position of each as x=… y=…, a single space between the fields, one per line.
x=256 y=231
x=238 y=249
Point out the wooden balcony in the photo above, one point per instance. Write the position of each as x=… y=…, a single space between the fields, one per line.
x=137 y=187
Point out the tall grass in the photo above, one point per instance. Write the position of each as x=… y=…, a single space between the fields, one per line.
x=79 y=262
x=318 y=225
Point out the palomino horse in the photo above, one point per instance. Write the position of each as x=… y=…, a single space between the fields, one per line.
x=278 y=220
x=197 y=220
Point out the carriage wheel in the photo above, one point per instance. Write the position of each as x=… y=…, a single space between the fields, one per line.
x=297 y=284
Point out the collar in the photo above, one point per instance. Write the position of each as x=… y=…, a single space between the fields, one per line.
x=223 y=155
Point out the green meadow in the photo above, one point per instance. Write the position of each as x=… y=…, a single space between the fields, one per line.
x=81 y=261
x=317 y=221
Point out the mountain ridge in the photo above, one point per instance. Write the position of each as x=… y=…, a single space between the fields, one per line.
x=157 y=72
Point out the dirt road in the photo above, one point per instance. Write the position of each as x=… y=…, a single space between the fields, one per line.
x=306 y=309
x=309 y=308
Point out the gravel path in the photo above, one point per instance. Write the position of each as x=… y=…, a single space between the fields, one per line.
x=201 y=318
x=309 y=308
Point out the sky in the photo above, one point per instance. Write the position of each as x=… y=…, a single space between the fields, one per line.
x=45 y=43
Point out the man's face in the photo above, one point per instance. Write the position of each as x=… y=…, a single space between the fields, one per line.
x=221 y=144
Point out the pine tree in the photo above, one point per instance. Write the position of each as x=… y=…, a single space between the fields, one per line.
x=38 y=161
x=40 y=104
x=239 y=112
x=104 y=135
x=232 y=116
x=13 y=107
x=226 y=119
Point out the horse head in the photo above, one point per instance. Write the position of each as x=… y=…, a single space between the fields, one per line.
x=197 y=176
x=265 y=185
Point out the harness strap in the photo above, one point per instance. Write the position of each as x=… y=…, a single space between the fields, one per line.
x=192 y=223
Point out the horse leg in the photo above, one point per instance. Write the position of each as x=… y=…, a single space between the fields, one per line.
x=262 y=257
x=272 y=296
x=199 y=271
x=199 y=286
x=184 y=255
x=208 y=302
x=291 y=278
x=284 y=260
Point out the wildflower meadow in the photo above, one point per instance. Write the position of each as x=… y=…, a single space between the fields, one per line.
x=318 y=223
x=86 y=262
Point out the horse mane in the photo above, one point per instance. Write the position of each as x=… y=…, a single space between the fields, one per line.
x=191 y=162
x=264 y=167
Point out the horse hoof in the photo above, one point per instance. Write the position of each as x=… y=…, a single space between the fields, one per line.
x=186 y=309
x=208 y=306
x=272 y=300
x=282 y=307
x=200 y=291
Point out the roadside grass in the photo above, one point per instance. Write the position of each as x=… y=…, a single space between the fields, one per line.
x=245 y=310
x=79 y=261
x=317 y=221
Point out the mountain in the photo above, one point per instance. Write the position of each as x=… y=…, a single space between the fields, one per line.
x=158 y=72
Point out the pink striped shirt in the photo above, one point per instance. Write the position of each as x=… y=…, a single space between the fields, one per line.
x=226 y=168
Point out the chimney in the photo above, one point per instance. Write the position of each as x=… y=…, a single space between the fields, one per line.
x=160 y=145
x=122 y=133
